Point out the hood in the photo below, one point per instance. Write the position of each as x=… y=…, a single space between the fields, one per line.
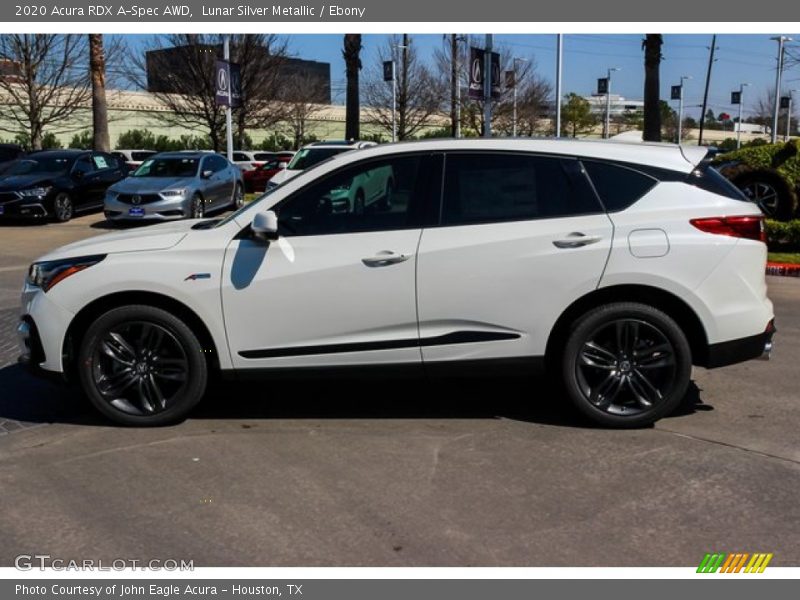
x=140 y=239
x=13 y=183
x=150 y=185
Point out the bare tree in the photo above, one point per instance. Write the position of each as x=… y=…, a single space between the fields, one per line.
x=48 y=84
x=352 y=62
x=97 y=68
x=183 y=80
x=652 y=93
x=301 y=89
x=419 y=94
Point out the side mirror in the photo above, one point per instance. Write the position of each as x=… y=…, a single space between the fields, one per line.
x=265 y=225
x=206 y=174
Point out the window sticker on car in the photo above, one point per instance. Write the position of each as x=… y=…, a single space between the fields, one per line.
x=100 y=162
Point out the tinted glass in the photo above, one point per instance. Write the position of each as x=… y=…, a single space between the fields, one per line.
x=618 y=187
x=376 y=196
x=140 y=156
x=83 y=165
x=239 y=157
x=489 y=188
x=263 y=155
x=308 y=157
x=711 y=180
x=216 y=163
x=40 y=165
x=167 y=167
x=8 y=154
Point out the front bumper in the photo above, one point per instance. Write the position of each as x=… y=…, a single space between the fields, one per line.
x=163 y=210
x=740 y=350
x=27 y=208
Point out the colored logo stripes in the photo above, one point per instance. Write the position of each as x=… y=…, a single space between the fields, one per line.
x=734 y=562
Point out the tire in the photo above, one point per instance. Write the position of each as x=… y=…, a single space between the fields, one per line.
x=142 y=366
x=63 y=209
x=770 y=191
x=625 y=365
x=197 y=208
x=238 y=197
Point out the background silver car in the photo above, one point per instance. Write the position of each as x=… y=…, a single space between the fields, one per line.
x=176 y=185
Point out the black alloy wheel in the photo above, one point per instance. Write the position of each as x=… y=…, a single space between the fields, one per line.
x=626 y=365
x=141 y=365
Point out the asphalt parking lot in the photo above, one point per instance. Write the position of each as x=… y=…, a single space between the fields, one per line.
x=399 y=473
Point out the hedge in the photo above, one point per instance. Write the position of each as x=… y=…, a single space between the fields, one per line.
x=783 y=234
x=782 y=157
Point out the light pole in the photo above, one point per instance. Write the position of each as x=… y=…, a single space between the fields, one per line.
x=608 y=102
x=789 y=116
x=741 y=102
x=395 y=47
x=487 y=86
x=514 y=117
x=680 y=108
x=559 y=49
x=781 y=39
x=226 y=54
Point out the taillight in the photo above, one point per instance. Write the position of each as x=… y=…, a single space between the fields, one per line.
x=750 y=227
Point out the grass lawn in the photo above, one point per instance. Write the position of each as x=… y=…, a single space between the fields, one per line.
x=785 y=257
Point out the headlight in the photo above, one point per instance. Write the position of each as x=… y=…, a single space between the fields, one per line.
x=47 y=273
x=37 y=191
x=170 y=193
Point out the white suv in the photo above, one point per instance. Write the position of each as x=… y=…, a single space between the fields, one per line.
x=313 y=154
x=620 y=266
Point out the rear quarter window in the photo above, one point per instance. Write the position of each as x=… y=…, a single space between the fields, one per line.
x=709 y=179
x=618 y=187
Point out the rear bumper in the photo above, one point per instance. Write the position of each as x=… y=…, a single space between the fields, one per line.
x=740 y=350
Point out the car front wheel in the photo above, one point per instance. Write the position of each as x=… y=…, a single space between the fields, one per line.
x=626 y=365
x=197 y=208
x=62 y=207
x=140 y=365
x=238 y=197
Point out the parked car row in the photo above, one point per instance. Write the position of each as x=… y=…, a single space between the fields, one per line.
x=57 y=184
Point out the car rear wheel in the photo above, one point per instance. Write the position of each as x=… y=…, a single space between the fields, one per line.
x=62 y=207
x=626 y=365
x=140 y=365
x=197 y=208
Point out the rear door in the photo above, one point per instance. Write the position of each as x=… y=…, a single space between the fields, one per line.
x=521 y=236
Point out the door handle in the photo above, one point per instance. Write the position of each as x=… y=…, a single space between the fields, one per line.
x=576 y=240
x=385 y=258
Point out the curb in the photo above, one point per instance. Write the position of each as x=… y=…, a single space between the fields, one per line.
x=783 y=269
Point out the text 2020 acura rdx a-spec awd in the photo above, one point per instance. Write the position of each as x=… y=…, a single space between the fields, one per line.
x=620 y=265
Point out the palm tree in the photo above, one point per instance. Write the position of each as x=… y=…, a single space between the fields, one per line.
x=652 y=63
x=352 y=61
x=97 y=69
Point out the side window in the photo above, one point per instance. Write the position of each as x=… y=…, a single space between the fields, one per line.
x=491 y=188
x=618 y=187
x=375 y=196
x=104 y=161
x=83 y=165
x=239 y=157
x=215 y=164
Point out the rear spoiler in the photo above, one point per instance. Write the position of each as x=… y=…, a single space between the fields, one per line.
x=694 y=155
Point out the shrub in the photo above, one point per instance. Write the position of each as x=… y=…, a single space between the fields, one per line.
x=783 y=234
x=781 y=157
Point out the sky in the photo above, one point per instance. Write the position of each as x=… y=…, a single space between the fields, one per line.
x=739 y=59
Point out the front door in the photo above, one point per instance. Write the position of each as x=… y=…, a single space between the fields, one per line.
x=337 y=287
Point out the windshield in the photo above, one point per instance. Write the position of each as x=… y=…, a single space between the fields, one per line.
x=41 y=165
x=308 y=157
x=168 y=167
